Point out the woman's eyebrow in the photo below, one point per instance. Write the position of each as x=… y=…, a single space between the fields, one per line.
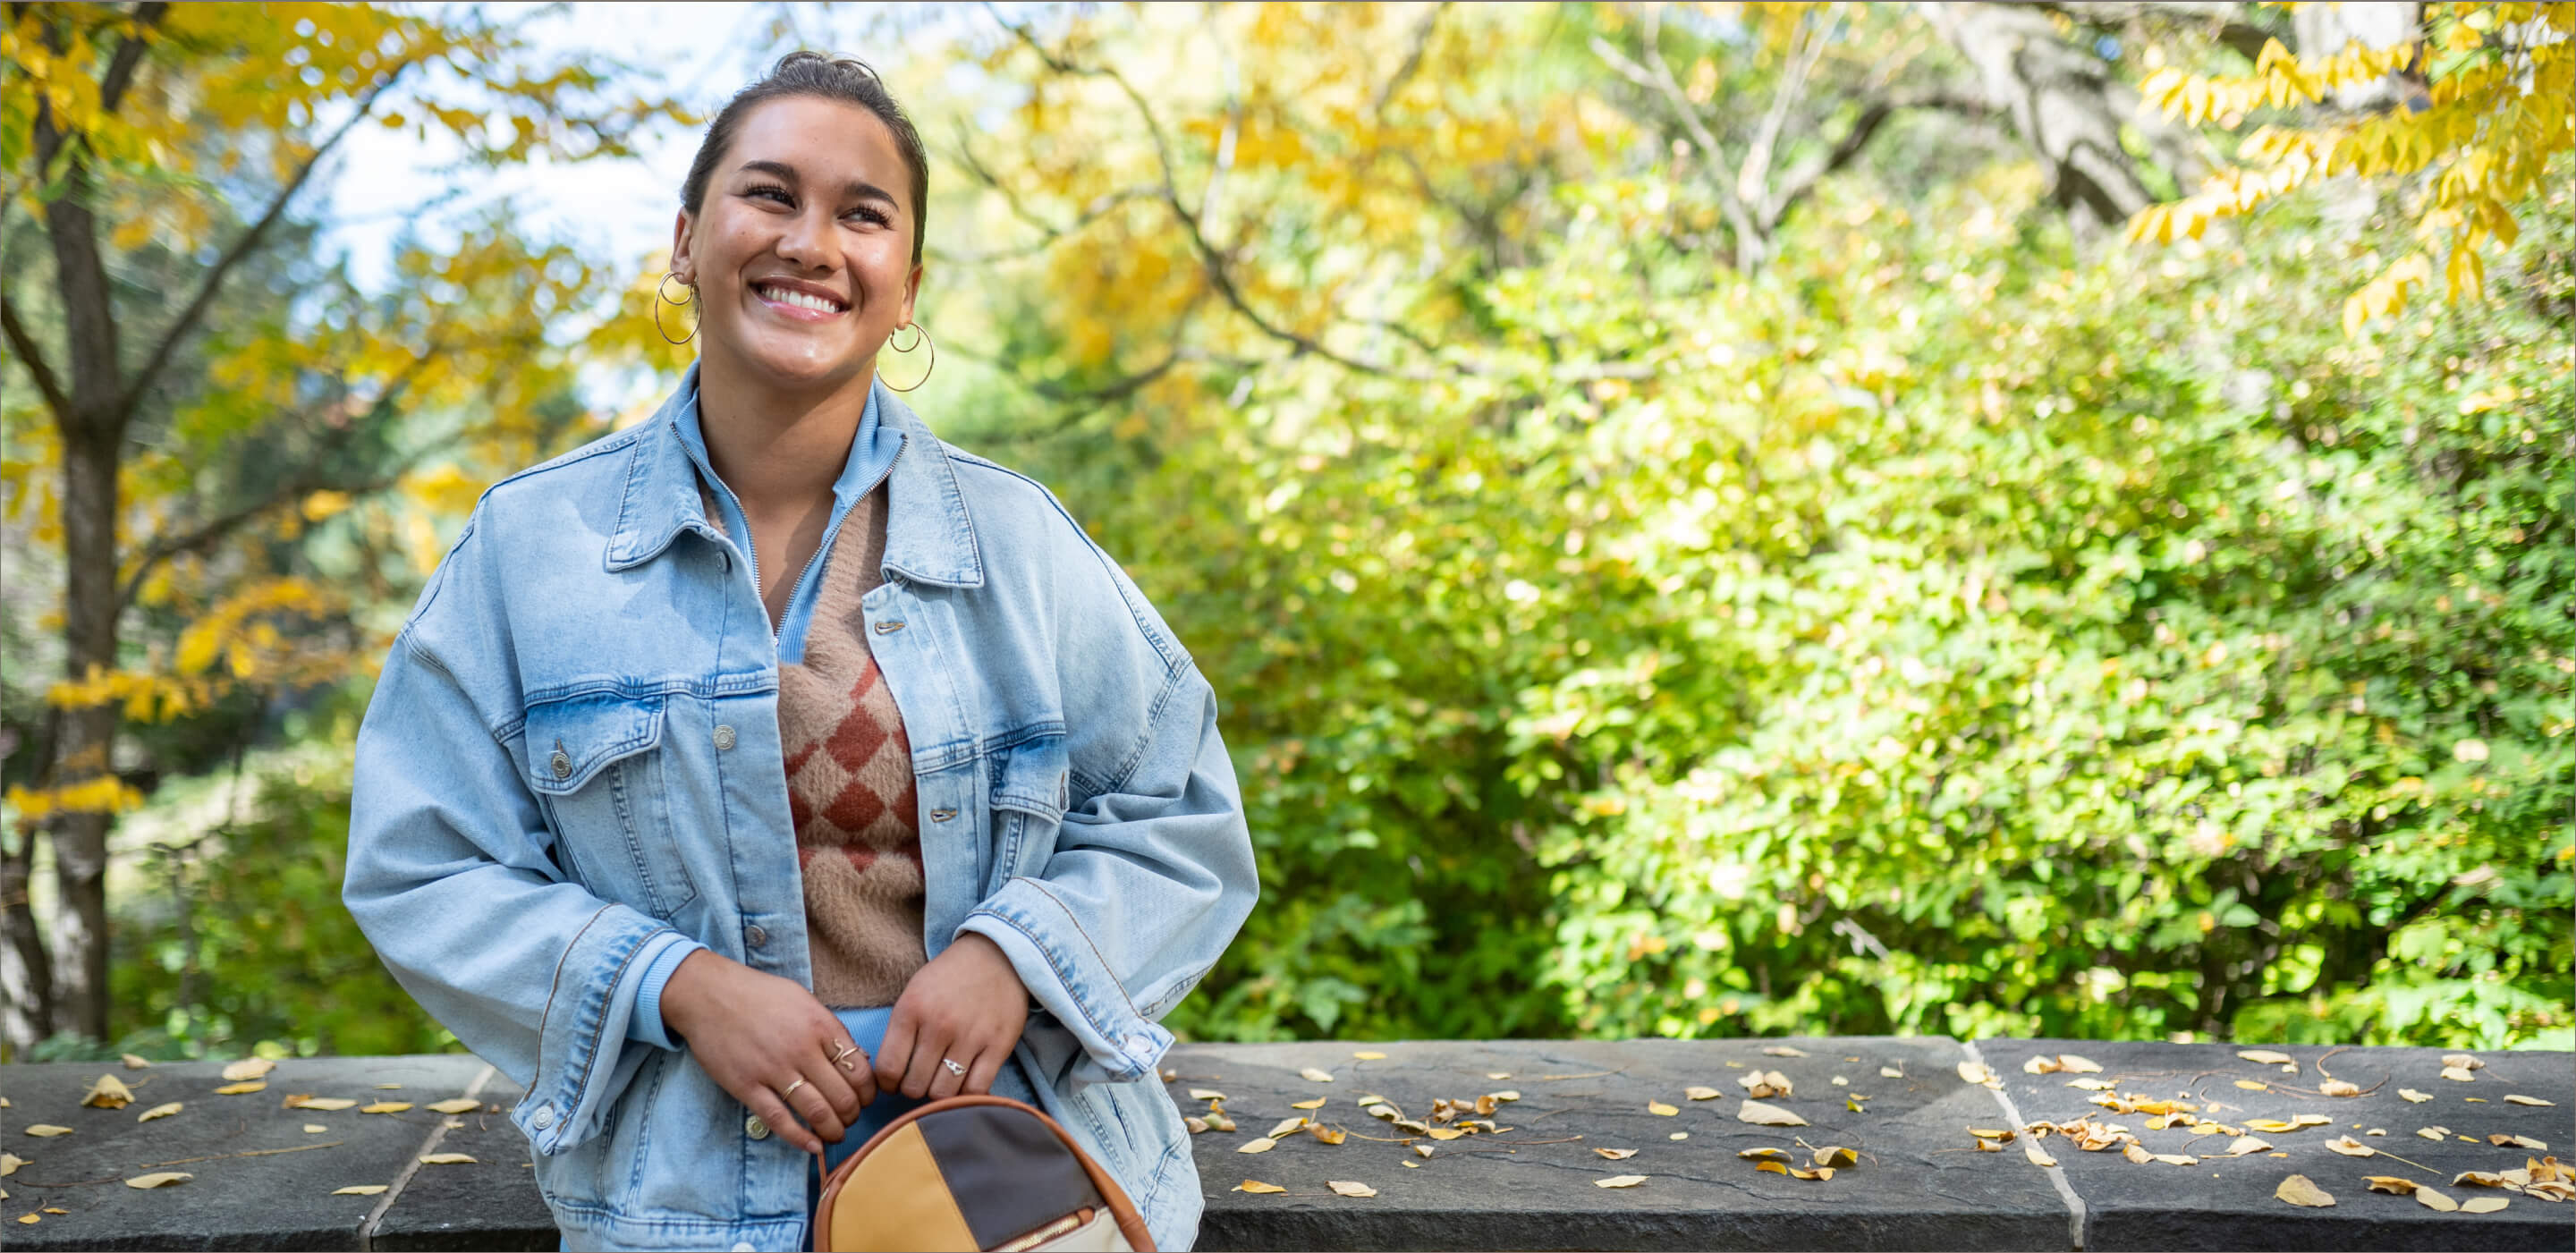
x=856 y=189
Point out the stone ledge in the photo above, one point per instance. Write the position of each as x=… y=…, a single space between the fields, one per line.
x=1920 y=1182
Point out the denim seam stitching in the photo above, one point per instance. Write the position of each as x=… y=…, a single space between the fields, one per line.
x=1089 y=943
x=1062 y=974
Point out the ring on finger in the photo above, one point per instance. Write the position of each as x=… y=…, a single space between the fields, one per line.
x=790 y=1089
x=842 y=1058
x=953 y=1067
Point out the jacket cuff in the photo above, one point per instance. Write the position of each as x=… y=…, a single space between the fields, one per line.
x=1064 y=971
x=582 y=1058
x=646 y=1025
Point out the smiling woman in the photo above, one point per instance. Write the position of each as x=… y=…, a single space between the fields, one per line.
x=953 y=820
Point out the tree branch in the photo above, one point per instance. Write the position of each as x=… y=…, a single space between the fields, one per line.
x=129 y=56
x=2223 y=21
x=1748 y=239
x=1412 y=60
x=1801 y=182
x=29 y=355
x=214 y=280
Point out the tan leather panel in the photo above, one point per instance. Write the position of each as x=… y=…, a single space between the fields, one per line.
x=1100 y=1235
x=897 y=1201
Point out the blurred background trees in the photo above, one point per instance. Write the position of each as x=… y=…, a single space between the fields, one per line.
x=1705 y=519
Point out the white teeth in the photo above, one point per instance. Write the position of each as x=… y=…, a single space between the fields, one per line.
x=799 y=299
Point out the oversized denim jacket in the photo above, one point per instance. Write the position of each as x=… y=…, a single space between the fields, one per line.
x=571 y=762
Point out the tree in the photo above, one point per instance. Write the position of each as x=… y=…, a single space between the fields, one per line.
x=161 y=152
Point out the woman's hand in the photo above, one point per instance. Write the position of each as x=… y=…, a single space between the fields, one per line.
x=967 y=1005
x=757 y=1034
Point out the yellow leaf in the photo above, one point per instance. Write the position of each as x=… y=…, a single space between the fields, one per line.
x=47 y=1131
x=108 y=1092
x=1762 y=1153
x=1617 y=1155
x=159 y=1179
x=1329 y=1135
x=1317 y=1103
x=1702 y=1094
x=456 y=1105
x=2350 y=1147
x=249 y=1068
x=1206 y=1094
x=1782 y=1050
x=2036 y=1155
x=2458 y=1074
x=2483 y=1204
x=31 y=1219
x=1370 y=1056
x=1346 y=1187
x=1285 y=1126
x=2413 y=1096
x=314 y=1128
x=9 y=1164
x=446 y=1159
x=2253 y=1085
x=323 y=1103
x=1619 y=1181
x=1257 y=1188
x=2517 y=1099
x=1263 y=1145
x=1445 y=1133
x=2078 y=1065
x=1836 y=1155
x=359 y=1189
x=2300 y=1190
x=133 y=1062
x=1662 y=1110
x=1762 y=1115
x=386 y=1107
x=1313 y=1075
x=2396 y=1184
x=160 y=1111
x=242 y=1089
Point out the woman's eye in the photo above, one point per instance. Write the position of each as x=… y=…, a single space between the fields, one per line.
x=778 y=194
x=873 y=215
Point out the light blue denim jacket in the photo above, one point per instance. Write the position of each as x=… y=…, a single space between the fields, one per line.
x=571 y=765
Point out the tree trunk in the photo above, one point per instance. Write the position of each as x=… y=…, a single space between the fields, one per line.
x=26 y=974
x=2059 y=97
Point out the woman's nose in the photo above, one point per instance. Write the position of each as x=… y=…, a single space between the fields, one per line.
x=806 y=241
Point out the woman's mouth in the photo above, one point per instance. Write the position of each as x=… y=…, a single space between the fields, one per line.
x=798 y=300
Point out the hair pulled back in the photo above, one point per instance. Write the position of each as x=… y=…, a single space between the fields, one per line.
x=811 y=74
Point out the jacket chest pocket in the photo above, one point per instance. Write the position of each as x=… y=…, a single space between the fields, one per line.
x=595 y=764
x=1029 y=799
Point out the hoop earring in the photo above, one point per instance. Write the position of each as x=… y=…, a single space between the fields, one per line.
x=919 y=338
x=662 y=295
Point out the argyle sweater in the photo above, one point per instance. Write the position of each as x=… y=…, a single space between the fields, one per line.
x=850 y=785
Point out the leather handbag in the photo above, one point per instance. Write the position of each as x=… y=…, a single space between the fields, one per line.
x=976 y=1174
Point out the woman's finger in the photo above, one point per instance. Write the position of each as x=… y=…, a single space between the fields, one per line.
x=855 y=1068
x=988 y=1065
x=815 y=1108
x=766 y=1107
x=836 y=1090
x=894 y=1053
x=945 y=1082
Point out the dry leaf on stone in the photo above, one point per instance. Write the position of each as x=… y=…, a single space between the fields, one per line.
x=2273 y=1125
x=2000 y=1135
x=1206 y=1094
x=1329 y=1135
x=159 y=1179
x=31 y=1219
x=1498 y=1074
x=1782 y=1050
x=1316 y=1076
x=2074 y=1065
x=2483 y=1204
x=1287 y=1125
x=1444 y=1133
x=2431 y=1199
x=2309 y=1120
x=1661 y=1110
x=1975 y=1073
x=386 y=1107
x=456 y=1105
x=2398 y=1185
x=388 y=1087
x=1196 y=1124
x=2137 y=1153
x=9 y=1164
x=2037 y=1156
x=2265 y=1056
x=2477 y=1179
x=360 y=1189
x=1414 y=1125
x=326 y=1104
x=314 y=1128
x=108 y=1092
x=2301 y=1190
x=2253 y=1085
x=1370 y=1055
x=248 y=1068
x=2414 y=1097
x=1763 y=1152
x=133 y=1062
x=1258 y=1188
x=1762 y=1115
x=2243 y=1145
x=2042 y=1065
x=1420 y=1150
x=2518 y=1099
x=1349 y=1188
x=1617 y=1155
x=2091 y=1085
x=2339 y=1087
x=1619 y=1181
x=2350 y=1147
x=1507 y=1094
x=446 y=1159
x=1702 y=1094
x=1890 y=1072
x=1836 y=1155
x=1217 y=1121
x=2463 y=1061
x=47 y=1131
x=2460 y=1073
x=2520 y=1142
x=1262 y=1145
x=2434 y=1133
x=244 y=1088
x=161 y=1111
x=1317 y=1103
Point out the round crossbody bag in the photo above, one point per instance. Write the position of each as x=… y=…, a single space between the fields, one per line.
x=975 y=1174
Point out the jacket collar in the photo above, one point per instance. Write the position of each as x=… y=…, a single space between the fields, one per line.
x=930 y=538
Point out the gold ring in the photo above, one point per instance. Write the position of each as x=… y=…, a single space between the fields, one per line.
x=953 y=1067
x=842 y=1058
x=790 y=1089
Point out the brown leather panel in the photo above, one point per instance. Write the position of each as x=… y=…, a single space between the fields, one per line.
x=1007 y=1169
x=897 y=1200
x=1130 y=1223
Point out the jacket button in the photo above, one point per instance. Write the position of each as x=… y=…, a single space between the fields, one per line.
x=724 y=739
x=942 y=815
x=890 y=627
x=755 y=1128
x=543 y=1118
x=561 y=764
x=755 y=936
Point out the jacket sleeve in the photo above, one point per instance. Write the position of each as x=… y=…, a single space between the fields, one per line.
x=1152 y=872
x=450 y=878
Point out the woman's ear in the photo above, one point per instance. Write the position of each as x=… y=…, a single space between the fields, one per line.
x=682 y=264
x=911 y=292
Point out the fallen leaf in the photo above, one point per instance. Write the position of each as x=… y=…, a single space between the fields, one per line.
x=1852 y=1103
x=2265 y=1056
x=1498 y=1074
x=1329 y=1135
x=2074 y=1065
x=2001 y=1135
x=1421 y=1150
x=1445 y=1133
x=1257 y=1188
x=1317 y=1076
x=1262 y=1145
x=359 y=1189
x=1661 y=1109
x=9 y=1164
x=314 y=1128
x=2042 y=1065
x=1217 y=1121
x=2483 y=1204
x=1762 y=1153
x=2273 y=1125
x=1370 y=1056
x=1836 y=1155
x=243 y=1088
x=1414 y=1125
x=2091 y=1085
x=2414 y=1097
x=388 y=1087
x=1196 y=1124
x=2463 y=1061
x=2477 y=1179
x=1348 y=1188
x=1619 y=1181
x=2397 y=1185
x=108 y=1092
x=2134 y=1152
x=1287 y=1125
x=324 y=1103
x=2253 y=1085
x=1409 y=1165
x=2376 y=1131
x=133 y=1062
x=2339 y=1087
x=2037 y=1156
x=56 y=1209
x=1762 y=1115
x=1890 y=1072
x=1206 y=1094
x=2243 y=1145
x=2434 y=1133
x=159 y=1179
x=2300 y=1190
x=2309 y=1120
x=386 y=1107
x=2517 y=1099
x=1507 y=1094
x=1782 y=1050
x=31 y=1219
x=2435 y=1200
x=457 y=1105
x=248 y=1068
x=1617 y=1155
x=446 y=1159
x=1975 y=1073
x=2459 y=1073
x=2350 y=1147
x=1841 y=1082
x=47 y=1131
x=1702 y=1094
x=160 y=1111
x=2520 y=1142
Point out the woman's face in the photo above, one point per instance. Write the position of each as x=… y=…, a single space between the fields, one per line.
x=801 y=250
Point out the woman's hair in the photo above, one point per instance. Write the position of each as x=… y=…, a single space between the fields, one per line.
x=845 y=79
